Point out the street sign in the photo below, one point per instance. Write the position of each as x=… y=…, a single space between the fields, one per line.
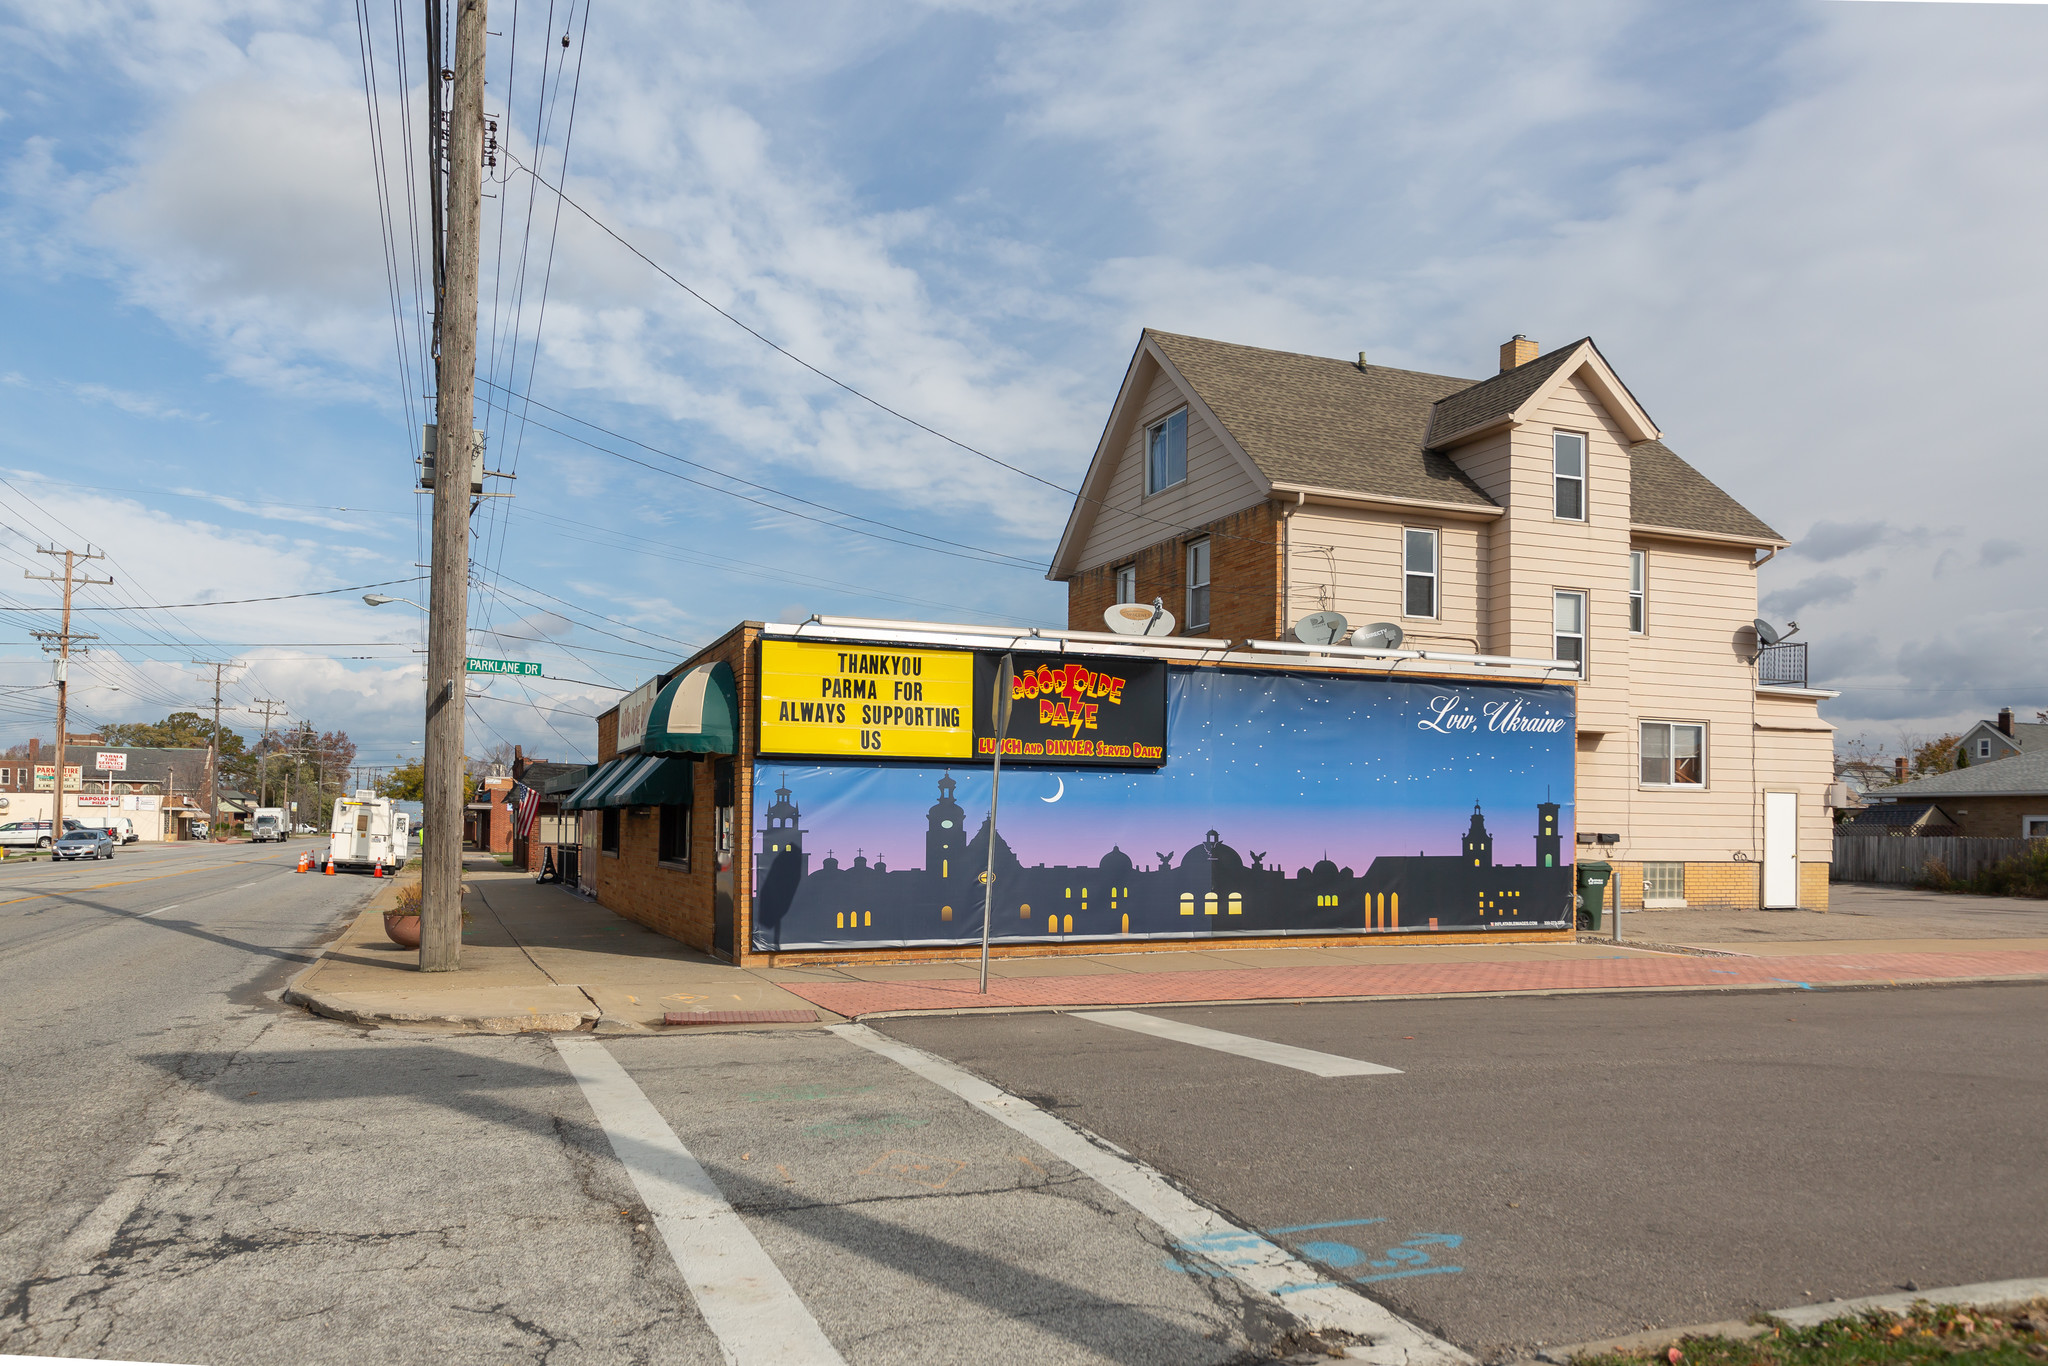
x=517 y=668
x=111 y=763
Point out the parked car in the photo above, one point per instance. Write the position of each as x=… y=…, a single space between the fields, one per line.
x=85 y=842
x=123 y=828
x=29 y=834
x=304 y=829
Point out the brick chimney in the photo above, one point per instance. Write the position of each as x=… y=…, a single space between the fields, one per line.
x=1899 y=769
x=2005 y=720
x=1518 y=351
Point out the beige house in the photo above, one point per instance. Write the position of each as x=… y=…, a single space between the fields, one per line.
x=1538 y=515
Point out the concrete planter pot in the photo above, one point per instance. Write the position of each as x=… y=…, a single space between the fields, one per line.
x=403 y=929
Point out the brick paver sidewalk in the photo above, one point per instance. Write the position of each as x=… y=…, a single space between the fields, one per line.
x=1420 y=979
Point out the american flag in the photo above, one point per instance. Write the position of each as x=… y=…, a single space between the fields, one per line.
x=525 y=801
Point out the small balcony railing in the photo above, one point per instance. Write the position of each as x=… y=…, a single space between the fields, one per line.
x=1782 y=666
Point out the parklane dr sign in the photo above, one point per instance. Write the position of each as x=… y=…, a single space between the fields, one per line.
x=516 y=668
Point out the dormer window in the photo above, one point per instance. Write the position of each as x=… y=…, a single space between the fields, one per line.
x=1568 y=462
x=1983 y=749
x=1166 y=453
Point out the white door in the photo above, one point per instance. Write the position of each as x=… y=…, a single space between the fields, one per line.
x=1781 y=850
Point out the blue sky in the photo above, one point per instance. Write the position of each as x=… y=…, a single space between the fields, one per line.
x=1293 y=768
x=1805 y=233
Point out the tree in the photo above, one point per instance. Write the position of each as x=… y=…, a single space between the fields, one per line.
x=406 y=784
x=1936 y=756
x=1862 y=763
x=179 y=730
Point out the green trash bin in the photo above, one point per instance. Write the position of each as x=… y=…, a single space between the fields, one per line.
x=1593 y=879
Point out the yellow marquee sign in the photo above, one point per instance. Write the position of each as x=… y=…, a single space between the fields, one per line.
x=866 y=701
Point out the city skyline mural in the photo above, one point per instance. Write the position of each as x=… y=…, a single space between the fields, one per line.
x=1289 y=803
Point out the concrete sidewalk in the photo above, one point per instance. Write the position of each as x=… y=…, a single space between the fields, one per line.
x=542 y=958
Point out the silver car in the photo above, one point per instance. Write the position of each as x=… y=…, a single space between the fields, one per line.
x=85 y=842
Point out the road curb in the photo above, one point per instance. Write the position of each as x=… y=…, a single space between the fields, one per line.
x=1983 y=1295
x=532 y=1022
x=1873 y=984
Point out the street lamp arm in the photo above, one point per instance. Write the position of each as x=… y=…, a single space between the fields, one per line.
x=379 y=599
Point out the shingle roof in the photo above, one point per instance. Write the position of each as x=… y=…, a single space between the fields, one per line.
x=1491 y=399
x=1325 y=423
x=145 y=765
x=1897 y=813
x=2020 y=775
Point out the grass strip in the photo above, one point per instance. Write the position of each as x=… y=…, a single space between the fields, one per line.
x=1926 y=1333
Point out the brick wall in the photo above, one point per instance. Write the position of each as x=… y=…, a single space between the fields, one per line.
x=1244 y=578
x=634 y=883
x=1722 y=886
x=1993 y=817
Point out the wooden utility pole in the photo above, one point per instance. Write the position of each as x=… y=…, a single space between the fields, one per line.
x=213 y=751
x=266 y=707
x=63 y=638
x=454 y=417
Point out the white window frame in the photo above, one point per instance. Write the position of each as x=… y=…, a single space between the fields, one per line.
x=1559 y=479
x=1556 y=635
x=1638 y=595
x=2034 y=827
x=1643 y=728
x=1155 y=482
x=1434 y=574
x=1983 y=747
x=1126 y=584
x=1199 y=567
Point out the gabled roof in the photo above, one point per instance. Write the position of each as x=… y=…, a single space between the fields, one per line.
x=2022 y=775
x=1664 y=491
x=1893 y=814
x=1312 y=424
x=1310 y=420
x=2029 y=737
x=185 y=767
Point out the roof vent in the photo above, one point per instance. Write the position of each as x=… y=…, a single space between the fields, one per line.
x=1517 y=351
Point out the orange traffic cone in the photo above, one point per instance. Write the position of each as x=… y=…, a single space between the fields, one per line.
x=330 y=867
x=377 y=871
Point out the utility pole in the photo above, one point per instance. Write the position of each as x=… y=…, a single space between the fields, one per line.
x=266 y=707
x=63 y=638
x=454 y=417
x=213 y=755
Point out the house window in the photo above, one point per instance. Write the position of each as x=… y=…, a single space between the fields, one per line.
x=2034 y=827
x=675 y=835
x=1663 y=884
x=1638 y=616
x=1418 y=563
x=1127 y=583
x=608 y=836
x=1198 y=585
x=1568 y=460
x=1674 y=755
x=1568 y=613
x=1166 y=452
x=1983 y=749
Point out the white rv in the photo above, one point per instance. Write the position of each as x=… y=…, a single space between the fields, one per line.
x=367 y=834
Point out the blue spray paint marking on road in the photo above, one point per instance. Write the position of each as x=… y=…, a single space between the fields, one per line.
x=1803 y=986
x=1414 y=1256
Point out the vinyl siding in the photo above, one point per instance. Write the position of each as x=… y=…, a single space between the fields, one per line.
x=1217 y=484
x=1350 y=561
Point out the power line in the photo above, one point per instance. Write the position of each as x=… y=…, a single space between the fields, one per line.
x=232 y=602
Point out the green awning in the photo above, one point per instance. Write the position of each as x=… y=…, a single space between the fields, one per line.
x=601 y=777
x=697 y=713
x=656 y=780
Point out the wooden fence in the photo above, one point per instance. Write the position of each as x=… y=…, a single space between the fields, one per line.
x=1902 y=860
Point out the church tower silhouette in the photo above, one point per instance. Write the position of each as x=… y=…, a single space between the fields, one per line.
x=944 y=838
x=1478 y=843
x=783 y=837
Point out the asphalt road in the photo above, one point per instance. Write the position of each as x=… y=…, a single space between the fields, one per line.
x=1566 y=1169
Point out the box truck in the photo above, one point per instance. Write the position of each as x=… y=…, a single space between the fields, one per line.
x=368 y=834
x=268 y=823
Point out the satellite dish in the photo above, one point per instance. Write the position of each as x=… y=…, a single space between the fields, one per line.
x=1321 y=628
x=1136 y=619
x=1766 y=634
x=1381 y=635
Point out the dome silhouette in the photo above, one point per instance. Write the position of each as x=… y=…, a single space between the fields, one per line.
x=1116 y=862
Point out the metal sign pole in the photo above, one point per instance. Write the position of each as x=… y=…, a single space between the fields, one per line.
x=999 y=713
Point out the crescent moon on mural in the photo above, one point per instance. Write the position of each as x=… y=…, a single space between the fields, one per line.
x=1057 y=795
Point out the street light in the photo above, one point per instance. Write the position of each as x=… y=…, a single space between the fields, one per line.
x=379 y=599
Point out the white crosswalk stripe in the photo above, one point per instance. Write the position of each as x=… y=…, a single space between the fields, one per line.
x=1243 y=1046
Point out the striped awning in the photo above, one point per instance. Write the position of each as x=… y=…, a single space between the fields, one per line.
x=601 y=777
x=697 y=713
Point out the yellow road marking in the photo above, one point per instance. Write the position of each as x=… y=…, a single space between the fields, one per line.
x=131 y=882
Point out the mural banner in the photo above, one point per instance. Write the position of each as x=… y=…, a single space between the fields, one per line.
x=1075 y=710
x=1290 y=804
